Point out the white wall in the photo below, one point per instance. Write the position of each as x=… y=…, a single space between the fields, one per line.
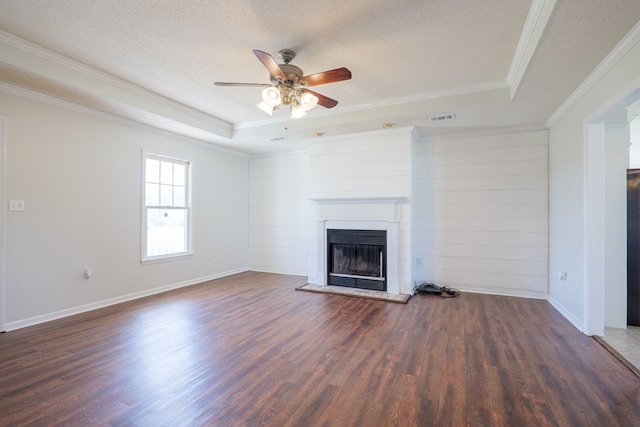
x=568 y=151
x=80 y=177
x=482 y=213
x=280 y=213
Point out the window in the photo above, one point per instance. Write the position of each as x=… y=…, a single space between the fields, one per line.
x=167 y=208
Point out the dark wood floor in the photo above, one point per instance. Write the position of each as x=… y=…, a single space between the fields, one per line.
x=249 y=350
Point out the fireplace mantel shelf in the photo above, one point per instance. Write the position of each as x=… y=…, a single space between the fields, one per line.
x=360 y=213
x=321 y=200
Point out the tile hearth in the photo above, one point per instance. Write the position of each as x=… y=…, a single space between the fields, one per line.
x=355 y=292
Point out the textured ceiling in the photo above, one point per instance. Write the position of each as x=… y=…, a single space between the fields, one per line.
x=409 y=59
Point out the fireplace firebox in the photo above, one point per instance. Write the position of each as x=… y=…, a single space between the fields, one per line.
x=357 y=258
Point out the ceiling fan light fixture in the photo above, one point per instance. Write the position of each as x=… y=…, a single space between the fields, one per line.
x=297 y=112
x=266 y=108
x=308 y=101
x=288 y=85
x=271 y=96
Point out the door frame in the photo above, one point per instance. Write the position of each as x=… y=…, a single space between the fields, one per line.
x=594 y=202
x=3 y=173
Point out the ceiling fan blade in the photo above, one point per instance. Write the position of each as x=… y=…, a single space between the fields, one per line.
x=331 y=76
x=325 y=101
x=270 y=64
x=241 y=84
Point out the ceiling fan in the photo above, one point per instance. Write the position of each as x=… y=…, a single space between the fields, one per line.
x=289 y=85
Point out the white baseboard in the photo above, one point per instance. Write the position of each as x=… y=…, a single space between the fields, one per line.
x=279 y=271
x=12 y=326
x=520 y=293
x=574 y=321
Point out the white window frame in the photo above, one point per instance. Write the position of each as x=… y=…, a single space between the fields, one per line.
x=188 y=252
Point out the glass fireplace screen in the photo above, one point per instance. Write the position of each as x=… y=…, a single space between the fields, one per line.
x=357 y=258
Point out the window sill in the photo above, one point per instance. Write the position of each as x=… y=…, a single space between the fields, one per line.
x=166 y=258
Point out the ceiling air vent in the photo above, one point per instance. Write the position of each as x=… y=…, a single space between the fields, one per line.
x=441 y=117
x=277 y=138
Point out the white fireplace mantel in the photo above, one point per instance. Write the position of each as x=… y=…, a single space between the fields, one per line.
x=367 y=213
x=359 y=209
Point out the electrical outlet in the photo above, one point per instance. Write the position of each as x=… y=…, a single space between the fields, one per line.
x=16 y=205
x=419 y=261
x=563 y=276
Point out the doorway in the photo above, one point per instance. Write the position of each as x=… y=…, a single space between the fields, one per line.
x=613 y=148
x=633 y=247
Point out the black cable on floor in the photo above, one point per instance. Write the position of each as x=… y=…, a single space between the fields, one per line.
x=433 y=289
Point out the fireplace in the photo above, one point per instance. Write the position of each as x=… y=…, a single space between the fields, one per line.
x=386 y=214
x=357 y=258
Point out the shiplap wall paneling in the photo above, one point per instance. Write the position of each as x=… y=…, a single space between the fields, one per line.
x=376 y=166
x=279 y=213
x=482 y=213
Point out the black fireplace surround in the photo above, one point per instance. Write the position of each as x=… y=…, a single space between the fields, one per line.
x=357 y=258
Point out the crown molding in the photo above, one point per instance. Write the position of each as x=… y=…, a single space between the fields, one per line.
x=621 y=49
x=480 y=133
x=534 y=26
x=71 y=64
x=391 y=103
x=208 y=141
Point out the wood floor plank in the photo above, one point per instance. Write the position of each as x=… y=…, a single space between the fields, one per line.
x=248 y=350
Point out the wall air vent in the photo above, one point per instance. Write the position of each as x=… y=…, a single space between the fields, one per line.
x=278 y=138
x=441 y=117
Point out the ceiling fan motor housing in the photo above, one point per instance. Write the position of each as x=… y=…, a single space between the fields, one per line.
x=287 y=55
x=292 y=72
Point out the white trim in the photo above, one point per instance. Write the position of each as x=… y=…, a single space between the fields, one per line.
x=103 y=115
x=468 y=90
x=3 y=234
x=279 y=153
x=144 y=258
x=594 y=219
x=404 y=130
x=488 y=132
x=375 y=213
x=593 y=233
x=167 y=258
x=351 y=200
x=594 y=230
x=505 y=292
x=534 y=26
x=279 y=271
x=569 y=316
x=117 y=300
x=41 y=52
x=612 y=58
